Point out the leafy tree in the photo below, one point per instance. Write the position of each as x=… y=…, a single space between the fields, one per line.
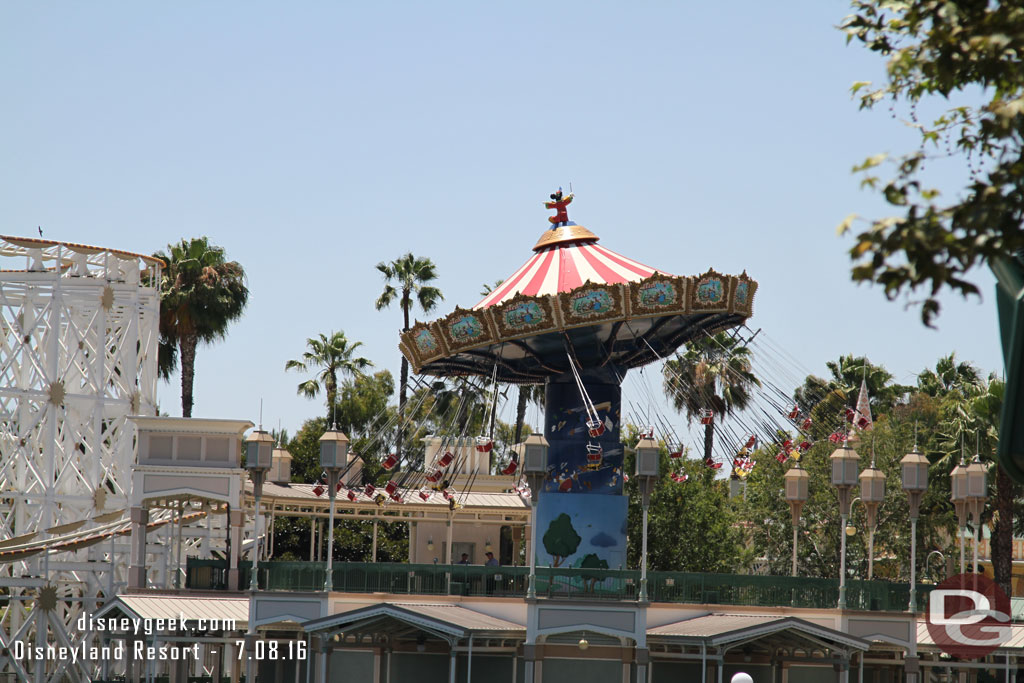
x=328 y=356
x=714 y=372
x=893 y=435
x=692 y=526
x=407 y=279
x=936 y=50
x=590 y=579
x=561 y=539
x=201 y=293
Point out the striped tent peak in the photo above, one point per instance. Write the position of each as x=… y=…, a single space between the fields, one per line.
x=566 y=258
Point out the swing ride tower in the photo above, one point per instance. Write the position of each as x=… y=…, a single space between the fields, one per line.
x=576 y=317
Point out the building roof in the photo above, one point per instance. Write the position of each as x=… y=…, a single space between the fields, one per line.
x=174 y=606
x=561 y=265
x=444 y=618
x=719 y=629
x=303 y=493
x=1015 y=642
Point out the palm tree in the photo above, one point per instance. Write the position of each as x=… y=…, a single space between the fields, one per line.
x=407 y=279
x=200 y=294
x=328 y=356
x=713 y=373
x=971 y=414
x=847 y=374
x=528 y=393
x=949 y=375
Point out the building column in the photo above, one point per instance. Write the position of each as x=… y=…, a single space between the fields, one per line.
x=842 y=669
x=137 y=567
x=911 y=667
x=236 y=520
x=643 y=663
x=217 y=650
x=135 y=668
x=530 y=664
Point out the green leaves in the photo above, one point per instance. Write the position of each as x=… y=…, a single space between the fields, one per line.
x=938 y=47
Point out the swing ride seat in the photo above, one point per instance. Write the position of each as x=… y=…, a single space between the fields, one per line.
x=484 y=444
x=390 y=462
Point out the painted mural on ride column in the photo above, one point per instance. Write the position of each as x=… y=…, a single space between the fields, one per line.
x=581 y=509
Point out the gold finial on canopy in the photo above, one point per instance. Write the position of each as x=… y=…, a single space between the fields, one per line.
x=563 y=235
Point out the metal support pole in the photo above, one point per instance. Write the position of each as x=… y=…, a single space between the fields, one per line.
x=842 y=562
x=373 y=550
x=333 y=474
x=253 y=579
x=974 y=567
x=871 y=553
x=913 y=566
x=963 y=561
x=643 y=551
x=795 y=535
x=531 y=586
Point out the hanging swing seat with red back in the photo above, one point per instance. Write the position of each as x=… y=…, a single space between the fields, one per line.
x=390 y=462
x=484 y=444
x=707 y=416
x=446 y=459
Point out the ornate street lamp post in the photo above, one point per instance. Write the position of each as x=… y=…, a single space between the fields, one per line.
x=872 y=493
x=796 y=495
x=647 y=472
x=534 y=452
x=977 y=492
x=845 y=462
x=958 y=480
x=914 y=476
x=259 y=454
x=333 y=458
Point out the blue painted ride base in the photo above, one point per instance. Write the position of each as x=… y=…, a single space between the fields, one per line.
x=581 y=510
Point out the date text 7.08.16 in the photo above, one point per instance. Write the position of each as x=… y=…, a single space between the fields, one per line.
x=270 y=650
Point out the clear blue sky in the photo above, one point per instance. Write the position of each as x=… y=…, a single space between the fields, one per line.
x=314 y=139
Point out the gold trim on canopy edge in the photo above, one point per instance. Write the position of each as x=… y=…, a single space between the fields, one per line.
x=563 y=235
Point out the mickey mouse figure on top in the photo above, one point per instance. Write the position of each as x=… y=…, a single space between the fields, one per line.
x=559 y=203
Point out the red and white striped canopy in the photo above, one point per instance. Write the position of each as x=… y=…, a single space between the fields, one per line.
x=564 y=266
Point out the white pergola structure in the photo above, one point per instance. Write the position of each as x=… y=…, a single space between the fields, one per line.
x=78 y=355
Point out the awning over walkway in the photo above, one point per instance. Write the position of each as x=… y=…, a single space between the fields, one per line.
x=728 y=630
x=193 y=609
x=443 y=620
